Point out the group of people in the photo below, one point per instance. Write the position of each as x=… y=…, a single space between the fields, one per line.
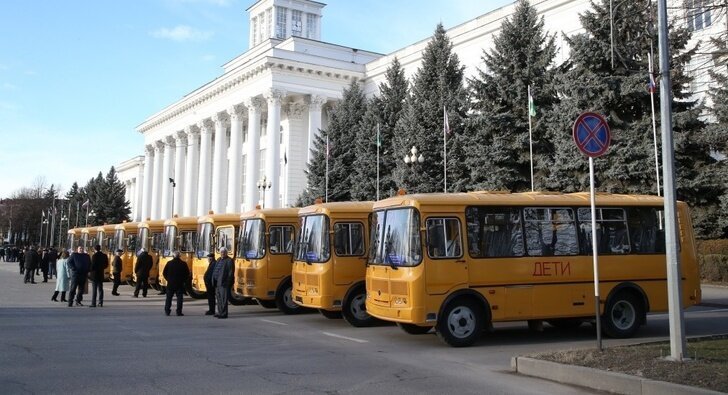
x=73 y=270
x=10 y=254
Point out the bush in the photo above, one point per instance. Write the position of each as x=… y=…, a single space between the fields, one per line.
x=711 y=247
x=713 y=267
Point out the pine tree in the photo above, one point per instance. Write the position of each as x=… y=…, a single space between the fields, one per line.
x=382 y=113
x=620 y=93
x=342 y=131
x=111 y=206
x=719 y=132
x=437 y=85
x=522 y=55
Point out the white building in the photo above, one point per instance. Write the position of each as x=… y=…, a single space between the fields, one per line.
x=259 y=118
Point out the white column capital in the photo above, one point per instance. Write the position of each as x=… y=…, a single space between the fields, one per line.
x=205 y=126
x=169 y=141
x=315 y=102
x=180 y=138
x=254 y=104
x=295 y=110
x=236 y=113
x=219 y=119
x=158 y=146
x=149 y=149
x=274 y=96
x=191 y=131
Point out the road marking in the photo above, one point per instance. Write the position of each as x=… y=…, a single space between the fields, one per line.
x=274 y=322
x=692 y=312
x=345 y=337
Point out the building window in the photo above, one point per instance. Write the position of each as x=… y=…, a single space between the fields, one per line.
x=269 y=18
x=280 y=22
x=261 y=28
x=698 y=14
x=296 y=23
x=255 y=31
x=311 y=25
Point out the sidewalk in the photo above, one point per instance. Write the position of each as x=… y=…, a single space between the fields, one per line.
x=714 y=295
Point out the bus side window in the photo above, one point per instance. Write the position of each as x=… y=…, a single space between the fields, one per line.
x=494 y=232
x=281 y=239
x=443 y=238
x=349 y=239
x=646 y=230
x=612 y=234
x=550 y=231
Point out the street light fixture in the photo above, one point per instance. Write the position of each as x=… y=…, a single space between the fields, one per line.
x=263 y=184
x=413 y=158
x=60 y=236
x=92 y=214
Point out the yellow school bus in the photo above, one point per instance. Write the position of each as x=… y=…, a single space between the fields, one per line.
x=214 y=231
x=332 y=280
x=179 y=234
x=73 y=239
x=264 y=256
x=459 y=262
x=125 y=239
x=149 y=237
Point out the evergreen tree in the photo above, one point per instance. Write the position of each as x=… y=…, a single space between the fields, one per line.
x=383 y=112
x=619 y=92
x=111 y=206
x=75 y=197
x=437 y=85
x=342 y=131
x=522 y=55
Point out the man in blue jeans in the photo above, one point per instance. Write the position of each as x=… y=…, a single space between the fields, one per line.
x=79 y=263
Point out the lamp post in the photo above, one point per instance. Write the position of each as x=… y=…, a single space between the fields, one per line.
x=91 y=214
x=64 y=218
x=412 y=158
x=263 y=184
x=171 y=181
x=43 y=224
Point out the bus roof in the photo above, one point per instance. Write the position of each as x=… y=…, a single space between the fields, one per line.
x=219 y=219
x=154 y=223
x=264 y=213
x=337 y=207
x=182 y=221
x=518 y=199
x=126 y=226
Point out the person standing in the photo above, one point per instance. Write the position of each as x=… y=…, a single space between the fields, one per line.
x=44 y=264
x=143 y=266
x=116 y=265
x=20 y=256
x=222 y=277
x=177 y=274
x=31 y=259
x=52 y=258
x=79 y=263
x=99 y=263
x=208 y=284
x=62 y=278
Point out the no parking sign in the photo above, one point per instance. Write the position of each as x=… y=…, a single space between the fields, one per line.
x=591 y=134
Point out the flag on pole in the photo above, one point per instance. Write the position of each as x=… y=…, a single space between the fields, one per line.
x=651 y=84
x=445 y=122
x=285 y=158
x=531 y=104
x=42 y=213
x=86 y=203
x=379 y=137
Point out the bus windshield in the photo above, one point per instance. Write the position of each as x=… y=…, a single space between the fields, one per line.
x=395 y=238
x=204 y=239
x=143 y=237
x=69 y=246
x=252 y=239
x=119 y=239
x=313 y=241
x=170 y=240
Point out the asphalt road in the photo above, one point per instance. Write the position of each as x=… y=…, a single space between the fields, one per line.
x=130 y=346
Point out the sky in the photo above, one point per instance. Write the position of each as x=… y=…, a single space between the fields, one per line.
x=78 y=76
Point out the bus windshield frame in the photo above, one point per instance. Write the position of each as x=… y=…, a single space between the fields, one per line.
x=143 y=239
x=169 y=240
x=251 y=244
x=204 y=245
x=314 y=241
x=395 y=237
x=119 y=236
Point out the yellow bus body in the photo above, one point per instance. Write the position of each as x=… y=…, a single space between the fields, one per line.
x=267 y=278
x=199 y=262
x=125 y=239
x=553 y=288
x=332 y=284
x=187 y=253
x=151 y=243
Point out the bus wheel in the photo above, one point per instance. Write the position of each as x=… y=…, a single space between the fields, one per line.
x=332 y=315
x=354 y=308
x=236 y=299
x=413 y=329
x=566 y=323
x=194 y=294
x=267 y=304
x=284 y=298
x=461 y=324
x=622 y=315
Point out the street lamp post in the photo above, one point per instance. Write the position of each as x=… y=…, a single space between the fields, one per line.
x=91 y=214
x=263 y=184
x=413 y=158
x=171 y=181
x=43 y=224
x=64 y=218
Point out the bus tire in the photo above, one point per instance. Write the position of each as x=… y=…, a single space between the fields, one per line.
x=461 y=323
x=267 y=304
x=332 y=315
x=194 y=294
x=622 y=315
x=566 y=323
x=413 y=329
x=236 y=299
x=284 y=298
x=354 y=308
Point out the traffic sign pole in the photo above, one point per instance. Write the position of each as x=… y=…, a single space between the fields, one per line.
x=595 y=257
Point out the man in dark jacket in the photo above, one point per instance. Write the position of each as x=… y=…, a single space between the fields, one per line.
x=222 y=278
x=31 y=260
x=99 y=263
x=116 y=266
x=44 y=264
x=52 y=258
x=143 y=266
x=177 y=274
x=208 y=284
x=79 y=263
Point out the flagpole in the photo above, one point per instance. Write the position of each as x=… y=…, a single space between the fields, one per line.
x=53 y=222
x=444 y=144
x=327 y=170
x=530 y=136
x=87 y=213
x=42 y=217
x=78 y=208
x=378 y=143
x=654 y=123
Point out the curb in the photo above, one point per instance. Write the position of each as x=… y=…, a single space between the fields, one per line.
x=601 y=380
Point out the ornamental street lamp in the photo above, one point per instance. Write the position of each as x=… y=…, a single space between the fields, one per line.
x=64 y=218
x=91 y=214
x=263 y=184
x=413 y=159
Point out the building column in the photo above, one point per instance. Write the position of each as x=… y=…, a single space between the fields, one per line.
x=192 y=168
x=204 y=185
x=138 y=192
x=235 y=171
x=146 y=198
x=156 y=181
x=219 y=163
x=252 y=163
x=179 y=173
x=314 y=122
x=167 y=173
x=273 y=148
